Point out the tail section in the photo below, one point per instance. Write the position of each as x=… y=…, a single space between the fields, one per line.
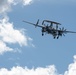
x=37 y=23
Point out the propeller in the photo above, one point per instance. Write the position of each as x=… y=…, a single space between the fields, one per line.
x=62 y=31
x=60 y=28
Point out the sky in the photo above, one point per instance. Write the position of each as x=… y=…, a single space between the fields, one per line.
x=24 y=51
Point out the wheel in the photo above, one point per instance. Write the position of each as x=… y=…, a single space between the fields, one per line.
x=54 y=37
x=57 y=36
x=42 y=34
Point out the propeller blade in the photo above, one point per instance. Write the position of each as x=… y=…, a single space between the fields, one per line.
x=63 y=29
x=60 y=28
x=63 y=34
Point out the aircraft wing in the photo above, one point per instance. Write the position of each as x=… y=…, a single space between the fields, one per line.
x=64 y=31
x=69 y=32
x=33 y=24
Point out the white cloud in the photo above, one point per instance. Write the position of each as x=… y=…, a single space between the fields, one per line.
x=49 y=70
x=10 y=35
x=71 y=68
x=5 y=5
x=27 y=2
x=4 y=48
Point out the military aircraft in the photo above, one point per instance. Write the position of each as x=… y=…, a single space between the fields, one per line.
x=50 y=29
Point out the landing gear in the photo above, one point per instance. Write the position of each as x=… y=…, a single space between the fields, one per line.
x=42 y=34
x=42 y=31
x=54 y=37
x=57 y=37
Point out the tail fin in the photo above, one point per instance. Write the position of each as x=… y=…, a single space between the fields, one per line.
x=37 y=23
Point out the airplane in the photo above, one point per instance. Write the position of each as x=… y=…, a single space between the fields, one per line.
x=54 y=31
